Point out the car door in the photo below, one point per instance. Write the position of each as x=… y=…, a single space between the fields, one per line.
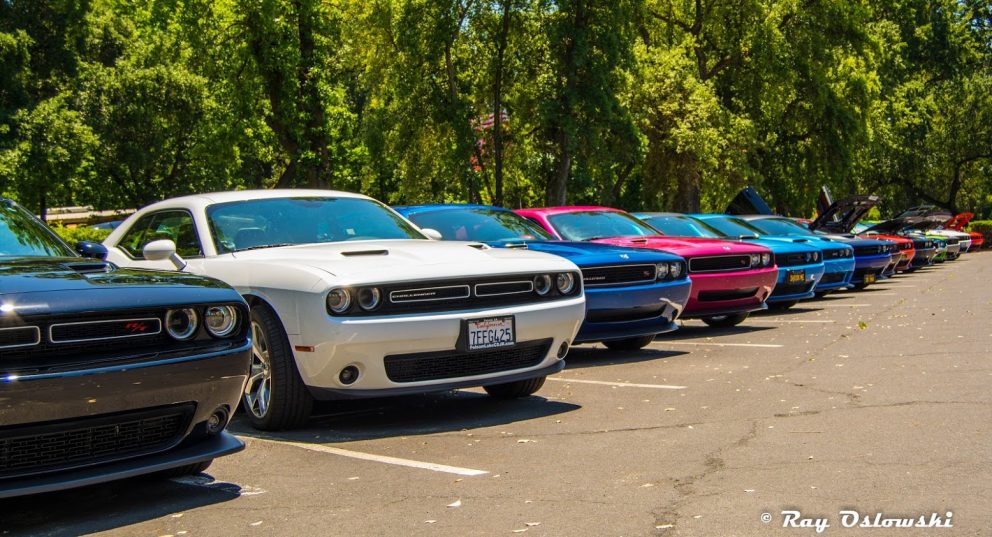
x=176 y=225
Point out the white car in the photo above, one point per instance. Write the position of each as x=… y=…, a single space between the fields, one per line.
x=349 y=299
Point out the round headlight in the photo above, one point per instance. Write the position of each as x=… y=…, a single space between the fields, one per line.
x=816 y=256
x=220 y=320
x=565 y=283
x=675 y=269
x=338 y=300
x=661 y=270
x=766 y=259
x=181 y=324
x=755 y=260
x=369 y=298
x=542 y=284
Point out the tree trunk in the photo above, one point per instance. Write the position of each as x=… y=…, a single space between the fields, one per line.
x=687 y=196
x=558 y=189
x=498 y=106
x=317 y=172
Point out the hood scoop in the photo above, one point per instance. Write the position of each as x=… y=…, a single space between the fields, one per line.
x=356 y=253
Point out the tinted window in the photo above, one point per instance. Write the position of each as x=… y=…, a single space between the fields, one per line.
x=588 y=225
x=479 y=225
x=780 y=226
x=730 y=226
x=21 y=234
x=175 y=225
x=242 y=225
x=681 y=226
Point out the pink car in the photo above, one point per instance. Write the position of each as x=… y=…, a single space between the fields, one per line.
x=729 y=279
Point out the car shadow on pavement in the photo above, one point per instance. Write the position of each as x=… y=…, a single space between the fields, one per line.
x=369 y=419
x=582 y=357
x=109 y=506
x=697 y=331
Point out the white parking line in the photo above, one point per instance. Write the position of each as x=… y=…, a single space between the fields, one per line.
x=619 y=384
x=787 y=321
x=762 y=345
x=374 y=458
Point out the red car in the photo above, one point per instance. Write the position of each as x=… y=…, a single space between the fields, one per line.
x=959 y=222
x=729 y=279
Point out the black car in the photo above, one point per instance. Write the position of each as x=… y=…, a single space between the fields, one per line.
x=108 y=373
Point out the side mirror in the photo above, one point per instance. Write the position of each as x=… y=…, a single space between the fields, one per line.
x=161 y=250
x=91 y=250
x=432 y=234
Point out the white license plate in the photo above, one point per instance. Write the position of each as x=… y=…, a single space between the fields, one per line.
x=490 y=333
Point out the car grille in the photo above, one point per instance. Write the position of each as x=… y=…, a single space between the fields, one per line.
x=423 y=366
x=730 y=294
x=34 y=449
x=791 y=260
x=720 y=263
x=19 y=336
x=905 y=245
x=618 y=275
x=951 y=240
x=870 y=250
x=838 y=253
x=792 y=288
x=832 y=277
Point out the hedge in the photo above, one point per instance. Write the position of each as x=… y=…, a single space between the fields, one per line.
x=985 y=228
x=72 y=235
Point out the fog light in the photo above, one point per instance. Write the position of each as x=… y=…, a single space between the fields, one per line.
x=217 y=420
x=562 y=349
x=348 y=375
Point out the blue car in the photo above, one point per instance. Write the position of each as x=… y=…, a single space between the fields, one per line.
x=871 y=256
x=632 y=294
x=800 y=265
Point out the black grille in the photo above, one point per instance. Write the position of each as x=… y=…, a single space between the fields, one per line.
x=791 y=260
x=96 y=330
x=720 y=263
x=618 y=275
x=792 y=288
x=732 y=294
x=905 y=245
x=832 y=277
x=423 y=366
x=951 y=240
x=19 y=336
x=41 y=448
x=504 y=288
x=838 y=253
x=870 y=250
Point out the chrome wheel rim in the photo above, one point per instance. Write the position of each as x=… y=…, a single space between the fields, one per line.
x=258 y=390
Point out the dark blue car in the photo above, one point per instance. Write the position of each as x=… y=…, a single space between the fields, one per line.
x=108 y=373
x=800 y=264
x=632 y=294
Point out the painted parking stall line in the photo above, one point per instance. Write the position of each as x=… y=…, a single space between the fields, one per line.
x=619 y=384
x=396 y=461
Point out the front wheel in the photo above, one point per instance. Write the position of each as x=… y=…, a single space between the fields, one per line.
x=725 y=321
x=629 y=344
x=859 y=286
x=515 y=390
x=275 y=397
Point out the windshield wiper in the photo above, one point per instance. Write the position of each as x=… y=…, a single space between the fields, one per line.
x=260 y=246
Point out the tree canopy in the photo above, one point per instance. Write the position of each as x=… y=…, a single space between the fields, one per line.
x=644 y=104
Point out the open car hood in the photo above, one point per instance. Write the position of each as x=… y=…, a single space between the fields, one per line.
x=841 y=216
x=898 y=224
x=748 y=201
x=959 y=222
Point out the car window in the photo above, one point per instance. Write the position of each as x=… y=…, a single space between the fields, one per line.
x=21 y=234
x=477 y=224
x=681 y=226
x=780 y=226
x=263 y=223
x=588 y=225
x=730 y=226
x=175 y=225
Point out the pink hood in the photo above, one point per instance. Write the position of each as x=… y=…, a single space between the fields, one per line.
x=687 y=247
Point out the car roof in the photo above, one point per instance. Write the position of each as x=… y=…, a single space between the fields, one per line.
x=432 y=207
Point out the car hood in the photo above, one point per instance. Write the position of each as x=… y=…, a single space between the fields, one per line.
x=897 y=224
x=785 y=245
x=686 y=247
x=841 y=216
x=748 y=201
x=588 y=253
x=404 y=260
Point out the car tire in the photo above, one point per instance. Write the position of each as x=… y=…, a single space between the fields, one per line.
x=821 y=294
x=189 y=469
x=275 y=397
x=859 y=286
x=516 y=389
x=783 y=305
x=725 y=321
x=629 y=344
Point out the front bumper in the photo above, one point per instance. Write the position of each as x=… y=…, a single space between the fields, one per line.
x=328 y=344
x=869 y=264
x=34 y=403
x=785 y=291
x=724 y=293
x=923 y=257
x=626 y=312
x=836 y=275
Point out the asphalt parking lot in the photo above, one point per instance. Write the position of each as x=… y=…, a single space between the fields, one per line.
x=874 y=401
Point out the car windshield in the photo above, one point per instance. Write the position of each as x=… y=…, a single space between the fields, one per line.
x=589 y=225
x=479 y=224
x=21 y=234
x=731 y=226
x=682 y=226
x=263 y=223
x=781 y=226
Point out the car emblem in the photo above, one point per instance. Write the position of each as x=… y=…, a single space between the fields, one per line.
x=624 y=256
x=136 y=327
x=727 y=248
